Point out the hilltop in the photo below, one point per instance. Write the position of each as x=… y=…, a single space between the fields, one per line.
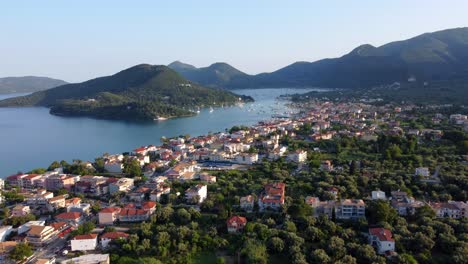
x=441 y=55
x=142 y=92
x=27 y=84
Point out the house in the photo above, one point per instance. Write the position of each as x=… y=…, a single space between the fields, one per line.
x=272 y=197
x=89 y=259
x=111 y=236
x=404 y=204
x=20 y=210
x=38 y=198
x=122 y=185
x=27 y=226
x=160 y=190
x=61 y=181
x=15 y=180
x=149 y=206
x=381 y=239
x=205 y=177
x=28 y=182
x=326 y=165
x=84 y=242
x=247 y=203
x=378 y=195
x=246 y=158
x=422 y=171
x=350 y=209
x=197 y=193
x=450 y=209
x=83 y=208
x=107 y=216
x=298 y=156
x=321 y=207
x=72 y=201
x=39 y=235
x=72 y=218
x=133 y=215
x=139 y=194
x=236 y=224
x=57 y=202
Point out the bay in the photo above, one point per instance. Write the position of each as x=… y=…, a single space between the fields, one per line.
x=32 y=138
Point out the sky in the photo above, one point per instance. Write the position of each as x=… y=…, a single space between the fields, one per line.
x=79 y=40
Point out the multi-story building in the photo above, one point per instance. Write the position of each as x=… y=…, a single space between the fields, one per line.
x=197 y=193
x=272 y=197
x=298 y=156
x=247 y=203
x=84 y=242
x=450 y=209
x=350 y=209
x=39 y=236
x=246 y=158
x=20 y=210
x=109 y=215
x=61 y=181
x=122 y=185
x=71 y=218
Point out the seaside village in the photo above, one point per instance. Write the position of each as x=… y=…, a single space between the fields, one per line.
x=59 y=204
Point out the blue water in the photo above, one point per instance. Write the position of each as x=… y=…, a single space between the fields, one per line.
x=32 y=138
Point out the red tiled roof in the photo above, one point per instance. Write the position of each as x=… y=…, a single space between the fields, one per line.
x=148 y=205
x=58 y=225
x=239 y=220
x=88 y=236
x=69 y=215
x=381 y=233
x=114 y=235
x=110 y=210
x=132 y=212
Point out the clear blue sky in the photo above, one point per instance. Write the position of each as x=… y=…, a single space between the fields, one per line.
x=79 y=40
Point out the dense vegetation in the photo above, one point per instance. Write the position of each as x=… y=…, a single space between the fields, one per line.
x=429 y=57
x=143 y=92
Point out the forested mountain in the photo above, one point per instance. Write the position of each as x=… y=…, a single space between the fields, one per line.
x=27 y=84
x=142 y=92
x=216 y=75
x=441 y=55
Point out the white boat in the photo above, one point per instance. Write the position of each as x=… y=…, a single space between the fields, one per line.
x=160 y=118
x=211 y=109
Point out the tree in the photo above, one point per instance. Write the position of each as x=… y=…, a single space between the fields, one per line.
x=276 y=244
x=320 y=256
x=21 y=252
x=54 y=165
x=381 y=211
x=255 y=252
x=132 y=168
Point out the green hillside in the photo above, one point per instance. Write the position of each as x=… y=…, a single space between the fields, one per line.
x=27 y=84
x=142 y=92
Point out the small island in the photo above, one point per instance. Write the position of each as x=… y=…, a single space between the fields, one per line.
x=140 y=93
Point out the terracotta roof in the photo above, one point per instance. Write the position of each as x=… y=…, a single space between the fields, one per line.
x=58 y=225
x=69 y=215
x=36 y=230
x=82 y=237
x=110 y=210
x=126 y=212
x=239 y=220
x=381 y=233
x=148 y=205
x=114 y=235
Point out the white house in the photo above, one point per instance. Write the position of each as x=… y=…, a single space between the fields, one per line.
x=84 y=242
x=422 y=171
x=247 y=158
x=199 y=190
x=298 y=156
x=378 y=195
x=381 y=239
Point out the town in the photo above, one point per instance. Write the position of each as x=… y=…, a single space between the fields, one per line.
x=339 y=182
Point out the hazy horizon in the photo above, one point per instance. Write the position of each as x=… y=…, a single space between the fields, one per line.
x=83 y=40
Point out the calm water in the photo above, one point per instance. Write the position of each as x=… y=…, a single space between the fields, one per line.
x=32 y=138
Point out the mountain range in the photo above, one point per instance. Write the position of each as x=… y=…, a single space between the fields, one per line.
x=441 y=55
x=142 y=92
x=27 y=84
